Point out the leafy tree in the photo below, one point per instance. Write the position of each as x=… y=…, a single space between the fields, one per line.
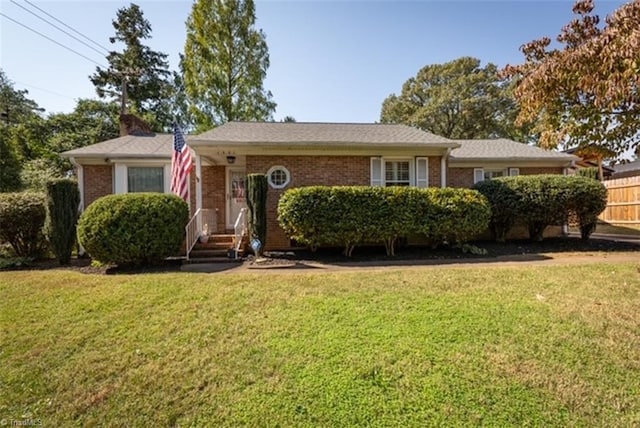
x=36 y=173
x=145 y=71
x=20 y=132
x=586 y=90
x=9 y=165
x=92 y=121
x=14 y=104
x=457 y=99
x=225 y=63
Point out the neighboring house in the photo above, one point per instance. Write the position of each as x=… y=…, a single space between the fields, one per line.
x=301 y=154
x=623 y=170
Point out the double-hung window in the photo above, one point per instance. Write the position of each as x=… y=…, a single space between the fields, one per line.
x=400 y=171
x=397 y=173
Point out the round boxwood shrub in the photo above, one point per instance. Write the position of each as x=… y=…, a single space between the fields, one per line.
x=22 y=218
x=134 y=228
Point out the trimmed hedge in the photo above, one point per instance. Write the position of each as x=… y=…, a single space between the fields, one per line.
x=354 y=215
x=63 y=200
x=22 y=218
x=133 y=228
x=257 y=187
x=538 y=201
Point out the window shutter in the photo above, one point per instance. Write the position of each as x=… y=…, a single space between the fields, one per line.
x=514 y=171
x=376 y=172
x=422 y=172
x=478 y=175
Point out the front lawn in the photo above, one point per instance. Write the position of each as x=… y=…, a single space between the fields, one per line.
x=526 y=346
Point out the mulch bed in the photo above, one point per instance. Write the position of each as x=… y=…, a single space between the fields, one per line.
x=369 y=254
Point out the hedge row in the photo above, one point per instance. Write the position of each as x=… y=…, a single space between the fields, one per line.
x=133 y=228
x=355 y=215
x=538 y=201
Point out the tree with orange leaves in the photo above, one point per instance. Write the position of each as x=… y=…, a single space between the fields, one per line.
x=587 y=91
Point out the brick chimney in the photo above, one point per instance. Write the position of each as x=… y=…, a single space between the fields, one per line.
x=131 y=124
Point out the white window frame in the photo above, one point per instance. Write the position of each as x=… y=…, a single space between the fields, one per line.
x=121 y=182
x=378 y=175
x=287 y=177
x=479 y=173
x=410 y=166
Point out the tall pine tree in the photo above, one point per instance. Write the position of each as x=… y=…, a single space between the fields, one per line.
x=225 y=64
x=145 y=72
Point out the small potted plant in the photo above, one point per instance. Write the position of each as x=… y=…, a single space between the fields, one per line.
x=204 y=234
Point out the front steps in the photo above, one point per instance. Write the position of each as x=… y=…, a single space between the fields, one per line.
x=215 y=250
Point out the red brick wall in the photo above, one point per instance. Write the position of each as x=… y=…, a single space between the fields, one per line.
x=463 y=177
x=435 y=175
x=98 y=182
x=317 y=170
x=213 y=192
x=307 y=171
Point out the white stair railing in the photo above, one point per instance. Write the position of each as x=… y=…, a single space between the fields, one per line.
x=203 y=222
x=240 y=229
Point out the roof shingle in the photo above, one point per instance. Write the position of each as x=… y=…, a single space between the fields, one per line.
x=129 y=146
x=322 y=133
x=503 y=149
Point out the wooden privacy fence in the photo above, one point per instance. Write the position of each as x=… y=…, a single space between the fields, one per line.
x=623 y=204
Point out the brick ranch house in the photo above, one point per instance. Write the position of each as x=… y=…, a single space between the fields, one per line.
x=301 y=154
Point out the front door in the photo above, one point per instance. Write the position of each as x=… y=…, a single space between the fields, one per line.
x=236 y=194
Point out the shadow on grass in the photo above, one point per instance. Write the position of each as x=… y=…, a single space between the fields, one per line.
x=511 y=251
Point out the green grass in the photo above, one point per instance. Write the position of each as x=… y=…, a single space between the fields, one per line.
x=528 y=346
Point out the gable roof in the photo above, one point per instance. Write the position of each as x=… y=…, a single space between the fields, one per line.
x=502 y=149
x=146 y=146
x=307 y=133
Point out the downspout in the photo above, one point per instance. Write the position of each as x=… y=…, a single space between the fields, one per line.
x=80 y=176
x=443 y=168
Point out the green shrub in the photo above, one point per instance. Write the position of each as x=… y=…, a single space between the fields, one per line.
x=588 y=200
x=504 y=206
x=352 y=215
x=538 y=201
x=22 y=217
x=591 y=172
x=63 y=200
x=134 y=228
x=257 y=203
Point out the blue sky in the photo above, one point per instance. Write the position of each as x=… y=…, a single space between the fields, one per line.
x=331 y=61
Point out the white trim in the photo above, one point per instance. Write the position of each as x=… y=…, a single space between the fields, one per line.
x=230 y=222
x=443 y=169
x=513 y=172
x=120 y=179
x=198 y=182
x=167 y=178
x=286 y=173
x=478 y=175
x=422 y=180
x=80 y=176
x=373 y=170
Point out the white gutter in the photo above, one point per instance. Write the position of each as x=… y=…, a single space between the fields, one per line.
x=443 y=169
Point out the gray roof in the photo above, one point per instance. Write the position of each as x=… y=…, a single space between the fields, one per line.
x=626 y=167
x=504 y=149
x=300 y=133
x=129 y=146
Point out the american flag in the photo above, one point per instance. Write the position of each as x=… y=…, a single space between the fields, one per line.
x=181 y=164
